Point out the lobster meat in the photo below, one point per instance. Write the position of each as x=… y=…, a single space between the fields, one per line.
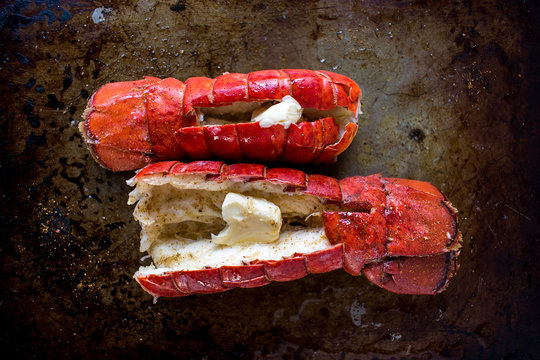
x=402 y=234
x=130 y=124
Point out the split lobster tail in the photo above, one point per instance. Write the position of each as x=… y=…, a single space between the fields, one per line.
x=294 y=116
x=401 y=234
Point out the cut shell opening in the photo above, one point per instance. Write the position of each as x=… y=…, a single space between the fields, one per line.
x=181 y=217
x=278 y=112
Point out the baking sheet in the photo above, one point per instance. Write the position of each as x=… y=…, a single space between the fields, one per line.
x=449 y=97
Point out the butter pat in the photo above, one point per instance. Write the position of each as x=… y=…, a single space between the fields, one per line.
x=287 y=112
x=249 y=220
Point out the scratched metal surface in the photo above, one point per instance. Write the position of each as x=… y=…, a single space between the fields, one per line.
x=450 y=96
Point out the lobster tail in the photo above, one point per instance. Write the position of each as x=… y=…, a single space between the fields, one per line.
x=130 y=124
x=401 y=234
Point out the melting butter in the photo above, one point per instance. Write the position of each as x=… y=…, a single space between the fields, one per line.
x=287 y=112
x=249 y=220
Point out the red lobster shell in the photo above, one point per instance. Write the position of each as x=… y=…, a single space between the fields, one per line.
x=402 y=234
x=133 y=123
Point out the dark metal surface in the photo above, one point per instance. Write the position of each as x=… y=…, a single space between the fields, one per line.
x=450 y=96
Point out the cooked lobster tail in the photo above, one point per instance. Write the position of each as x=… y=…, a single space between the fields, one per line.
x=130 y=124
x=402 y=234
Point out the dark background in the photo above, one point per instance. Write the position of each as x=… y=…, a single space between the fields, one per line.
x=450 y=96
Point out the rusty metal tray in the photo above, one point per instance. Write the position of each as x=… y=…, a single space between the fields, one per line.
x=450 y=97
